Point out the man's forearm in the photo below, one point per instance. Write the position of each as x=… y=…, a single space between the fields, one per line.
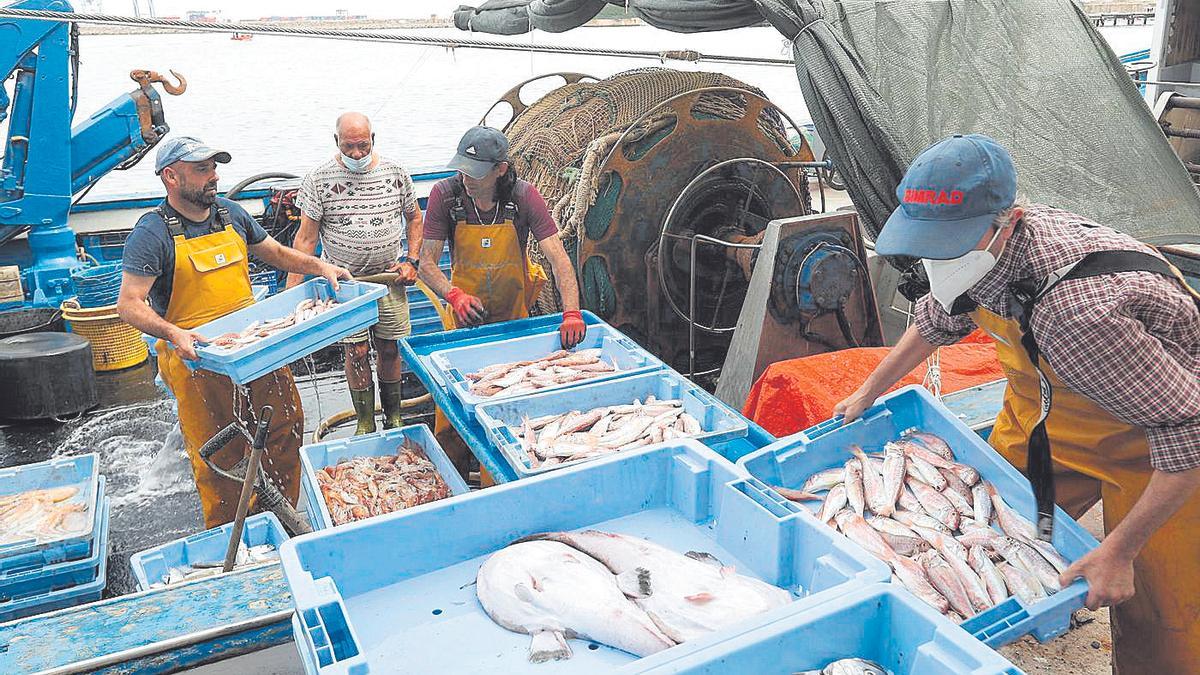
x=429 y=272
x=909 y=352
x=415 y=233
x=142 y=317
x=564 y=279
x=287 y=259
x=1165 y=493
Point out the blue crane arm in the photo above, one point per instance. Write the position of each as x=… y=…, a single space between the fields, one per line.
x=46 y=161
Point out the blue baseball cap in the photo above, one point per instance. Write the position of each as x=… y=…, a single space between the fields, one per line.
x=949 y=198
x=480 y=149
x=185 y=149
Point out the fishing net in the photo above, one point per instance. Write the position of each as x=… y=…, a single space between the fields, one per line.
x=882 y=80
x=560 y=143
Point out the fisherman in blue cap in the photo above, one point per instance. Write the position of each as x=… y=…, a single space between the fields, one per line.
x=1100 y=339
x=185 y=264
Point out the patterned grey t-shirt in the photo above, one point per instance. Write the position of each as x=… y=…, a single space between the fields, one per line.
x=361 y=214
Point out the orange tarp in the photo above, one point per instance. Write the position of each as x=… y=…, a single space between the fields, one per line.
x=793 y=395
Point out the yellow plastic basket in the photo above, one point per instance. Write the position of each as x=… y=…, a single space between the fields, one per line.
x=115 y=344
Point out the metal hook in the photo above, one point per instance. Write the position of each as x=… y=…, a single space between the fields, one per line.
x=147 y=77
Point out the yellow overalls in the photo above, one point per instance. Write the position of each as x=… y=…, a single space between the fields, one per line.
x=212 y=279
x=1097 y=456
x=487 y=261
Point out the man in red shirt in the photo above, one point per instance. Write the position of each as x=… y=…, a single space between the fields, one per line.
x=488 y=214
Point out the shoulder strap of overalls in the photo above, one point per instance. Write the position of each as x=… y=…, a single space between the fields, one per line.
x=169 y=217
x=458 y=210
x=1022 y=297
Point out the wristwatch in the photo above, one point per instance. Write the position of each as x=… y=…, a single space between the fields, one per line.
x=415 y=262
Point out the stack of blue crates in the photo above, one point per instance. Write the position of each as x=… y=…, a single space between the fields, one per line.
x=39 y=575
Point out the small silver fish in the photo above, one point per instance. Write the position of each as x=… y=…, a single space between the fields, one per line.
x=854 y=486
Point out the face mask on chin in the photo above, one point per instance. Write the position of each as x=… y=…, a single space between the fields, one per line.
x=949 y=279
x=356 y=165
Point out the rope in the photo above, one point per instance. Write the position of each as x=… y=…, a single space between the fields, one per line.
x=375 y=36
x=933 y=373
x=97 y=286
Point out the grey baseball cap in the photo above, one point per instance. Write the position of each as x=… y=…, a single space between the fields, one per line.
x=185 y=149
x=480 y=149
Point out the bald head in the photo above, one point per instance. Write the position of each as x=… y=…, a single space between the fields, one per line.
x=352 y=123
x=353 y=136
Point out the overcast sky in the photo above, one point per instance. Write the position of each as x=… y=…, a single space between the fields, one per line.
x=244 y=9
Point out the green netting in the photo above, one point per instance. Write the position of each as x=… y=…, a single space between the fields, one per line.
x=600 y=216
x=598 y=292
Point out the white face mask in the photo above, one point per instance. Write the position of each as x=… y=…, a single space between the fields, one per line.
x=356 y=165
x=948 y=279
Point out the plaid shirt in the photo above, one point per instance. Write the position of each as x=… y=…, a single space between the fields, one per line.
x=1128 y=341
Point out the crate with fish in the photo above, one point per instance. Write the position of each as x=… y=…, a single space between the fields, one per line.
x=913 y=485
x=203 y=554
x=500 y=369
x=48 y=511
x=364 y=476
x=35 y=576
x=631 y=553
x=874 y=630
x=544 y=432
x=255 y=340
x=38 y=599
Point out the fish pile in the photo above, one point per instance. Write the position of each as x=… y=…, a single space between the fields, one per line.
x=247 y=556
x=522 y=377
x=43 y=515
x=616 y=590
x=558 y=439
x=305 y=310
x=851 y=666
x=930 y=518
x=362 y=487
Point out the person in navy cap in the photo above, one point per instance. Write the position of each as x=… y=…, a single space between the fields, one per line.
x=1100 y=339
x=185 y=264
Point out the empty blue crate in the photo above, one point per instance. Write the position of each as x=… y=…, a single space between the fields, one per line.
x=450 y=367
x=153 y=565
x=355 y=585
x=80 y=472
x=877 y=623
x=40 y=601
x=788 y=462
x=37 y=577
x=315 y=457
x=356 y=310
x=502 y=420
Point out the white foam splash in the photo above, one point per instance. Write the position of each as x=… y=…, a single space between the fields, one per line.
x=141 y=452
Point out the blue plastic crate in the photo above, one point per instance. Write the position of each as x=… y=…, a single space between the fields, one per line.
x=152 y=565
x=879 y=623
x=397 y=589
x=37 y=577
x=791 y=460
x=315 y=457
x=450 y=366
x=502 y=420
x=79 y=470
x=47 y=601
x=356 y=310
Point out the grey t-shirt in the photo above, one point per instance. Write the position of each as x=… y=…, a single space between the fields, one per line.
x=150 y=251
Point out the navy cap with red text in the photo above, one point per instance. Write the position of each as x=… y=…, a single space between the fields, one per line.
x=948 y=198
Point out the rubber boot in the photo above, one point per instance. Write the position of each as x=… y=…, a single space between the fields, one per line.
x=391 y=398
x=364 y=406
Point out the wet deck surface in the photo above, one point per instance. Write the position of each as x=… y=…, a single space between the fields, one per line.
x=135 y=432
